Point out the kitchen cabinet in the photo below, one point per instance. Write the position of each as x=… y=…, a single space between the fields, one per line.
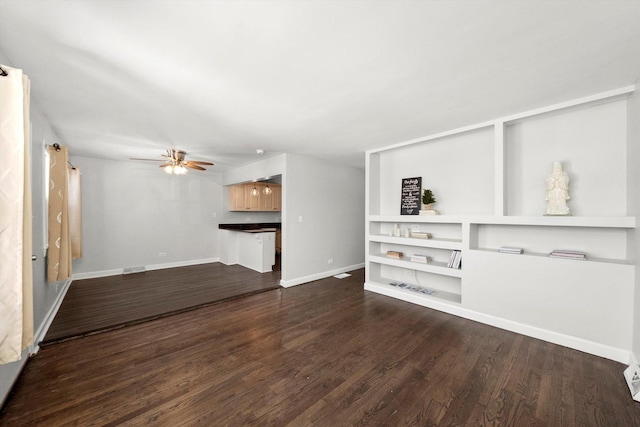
x=242 y=197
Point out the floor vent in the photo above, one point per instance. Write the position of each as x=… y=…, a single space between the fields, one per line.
x=132 y=270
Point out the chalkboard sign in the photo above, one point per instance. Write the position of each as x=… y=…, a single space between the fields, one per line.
x=411 y=196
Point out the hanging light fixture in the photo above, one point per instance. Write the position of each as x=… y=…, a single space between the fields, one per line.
x=175 y=168
x=255 y=191
x=267 y=190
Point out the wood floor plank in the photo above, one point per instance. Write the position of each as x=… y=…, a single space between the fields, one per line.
x=326 y=353
x=104 y=303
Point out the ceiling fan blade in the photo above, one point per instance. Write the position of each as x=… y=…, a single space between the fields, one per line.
x=150 y=160
x=189 y=165
x=165 y=164
x=198 y=162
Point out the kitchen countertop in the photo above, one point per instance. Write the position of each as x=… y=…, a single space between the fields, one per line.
x=258 y=227
x=258 y=230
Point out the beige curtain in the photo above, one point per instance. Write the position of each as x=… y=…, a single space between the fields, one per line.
x=75 y=213
x=16 y=294
x=59 y=255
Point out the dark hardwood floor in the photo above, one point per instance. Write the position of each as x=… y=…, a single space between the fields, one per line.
x=326 y=353
x=105 y=303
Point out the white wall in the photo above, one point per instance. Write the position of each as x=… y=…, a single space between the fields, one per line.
x=132 y=212
x=330 y=200
x=633 y=161
x=323 y=219
x=44 y=294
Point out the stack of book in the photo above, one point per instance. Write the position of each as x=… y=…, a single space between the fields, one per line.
x=420 y=235
x=414 y=288
x=455 y=261
x=394 y=254
x=510 y=250
x=422 y=259
x=429 y=212
x=562 y=253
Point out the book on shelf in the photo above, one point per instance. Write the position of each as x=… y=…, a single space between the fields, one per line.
x=567 y=254
x=455 y=260
x=422 y=259
x=414 y=288
x=510 y=250
x=429 y=212
x=451 y=258
x=420 y=235
x=394 y=254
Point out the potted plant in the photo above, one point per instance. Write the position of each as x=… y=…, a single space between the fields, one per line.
x=428 y=199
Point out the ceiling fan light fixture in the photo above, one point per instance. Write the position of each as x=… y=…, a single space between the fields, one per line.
x=175 y=163
x=179 y=170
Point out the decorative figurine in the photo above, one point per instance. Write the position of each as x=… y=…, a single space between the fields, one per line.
x=557 y=191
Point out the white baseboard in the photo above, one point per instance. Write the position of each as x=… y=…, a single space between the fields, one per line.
x=118 y=271
x=591 y=347
x=182 y=263
x=96 y=274
x=318 y=276
x=48 y=319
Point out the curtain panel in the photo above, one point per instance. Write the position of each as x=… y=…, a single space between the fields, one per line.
x=75 y=213
x=59 y=255
x=16 y=294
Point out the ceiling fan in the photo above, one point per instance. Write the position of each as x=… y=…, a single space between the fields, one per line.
x=176 y=164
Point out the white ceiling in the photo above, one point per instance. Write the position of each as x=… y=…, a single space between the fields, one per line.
x=328 y=79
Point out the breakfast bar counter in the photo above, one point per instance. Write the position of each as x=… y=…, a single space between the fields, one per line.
x=250 y=245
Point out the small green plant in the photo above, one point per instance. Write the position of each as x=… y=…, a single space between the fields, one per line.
x=428 y=197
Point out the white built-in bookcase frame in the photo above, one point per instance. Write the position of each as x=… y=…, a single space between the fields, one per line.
x=489 y=182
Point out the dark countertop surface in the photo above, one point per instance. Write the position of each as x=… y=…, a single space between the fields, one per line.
x=248 y=226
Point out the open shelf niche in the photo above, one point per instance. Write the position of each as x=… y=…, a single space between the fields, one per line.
x=489 y=180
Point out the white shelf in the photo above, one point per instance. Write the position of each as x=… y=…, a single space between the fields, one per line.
x=441 y=219
x=438 y=301
x=544 y=255
x=451 y=244
x=557 y=221
x=551 y=221
x=433 y=267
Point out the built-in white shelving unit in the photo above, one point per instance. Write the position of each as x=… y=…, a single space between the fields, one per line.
x=489 y=181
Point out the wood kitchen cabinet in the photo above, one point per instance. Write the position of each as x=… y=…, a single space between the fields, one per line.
x=236 y=198
x=273 y=200
x=242 y=197
x=252 y=196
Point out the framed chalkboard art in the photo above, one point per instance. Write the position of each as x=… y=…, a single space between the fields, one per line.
x=411 y=196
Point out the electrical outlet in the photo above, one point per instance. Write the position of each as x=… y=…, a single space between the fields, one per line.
x=407 y=272
x=415 y=227
x=162 y=254
x=300 y=218
x=215 y=214
x=330 y=261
